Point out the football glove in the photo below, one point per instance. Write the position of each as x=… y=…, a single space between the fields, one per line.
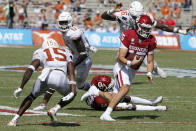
x=93 y=49
x=17 y=92
x=68 y=97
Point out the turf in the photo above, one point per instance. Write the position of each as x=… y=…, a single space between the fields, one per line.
x=178 y=93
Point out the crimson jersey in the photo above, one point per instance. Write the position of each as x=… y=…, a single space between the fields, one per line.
x=129 y=39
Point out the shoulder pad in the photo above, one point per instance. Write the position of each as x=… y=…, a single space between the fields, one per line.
x=37 y=54
x=74 y=33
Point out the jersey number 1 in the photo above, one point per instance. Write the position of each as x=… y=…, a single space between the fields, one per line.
x=56 y=51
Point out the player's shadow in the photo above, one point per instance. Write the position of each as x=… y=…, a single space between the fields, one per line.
x=139 y=83
x=57 y=124
x=54 y=124
x=138 y=117
x=80 y=108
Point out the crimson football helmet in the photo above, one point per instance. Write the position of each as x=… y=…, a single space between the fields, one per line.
x=144 y=26
x=103 y=82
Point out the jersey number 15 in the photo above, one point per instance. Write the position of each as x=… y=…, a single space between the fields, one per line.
x=51 y=55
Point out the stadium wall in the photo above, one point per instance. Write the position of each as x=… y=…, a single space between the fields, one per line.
x=103 y=40
x=16 y=37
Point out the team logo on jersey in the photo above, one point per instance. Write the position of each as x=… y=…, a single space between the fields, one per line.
x=132 y=41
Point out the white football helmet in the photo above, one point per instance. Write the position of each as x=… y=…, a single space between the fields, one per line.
x=50 y=43
x=136 y=8
x=64 y=21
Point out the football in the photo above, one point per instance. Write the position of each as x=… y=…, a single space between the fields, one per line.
x=131 y=56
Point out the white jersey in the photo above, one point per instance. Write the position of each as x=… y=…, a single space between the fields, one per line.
x=126 y=22
x=53 y=58
x=73 y=34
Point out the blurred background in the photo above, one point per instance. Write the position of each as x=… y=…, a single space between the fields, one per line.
x=86 y=13
x=42 y=15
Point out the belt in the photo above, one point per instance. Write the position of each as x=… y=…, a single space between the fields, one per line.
x=59 y=70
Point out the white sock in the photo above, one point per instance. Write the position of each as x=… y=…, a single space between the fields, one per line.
x=57 y=107
x=145 y=108
x=108 y=110
x=16 y=117
x=137 y=100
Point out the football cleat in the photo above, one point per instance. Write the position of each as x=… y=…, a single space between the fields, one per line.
x=12 y=123
x=106 y=117
x=161 y=72
x=157 y=100
x=52 y=114
x=92 y=91
x=40 y=107
x=161 y=108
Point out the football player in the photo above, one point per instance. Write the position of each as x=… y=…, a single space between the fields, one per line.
x=137 y=43
x=57 y=65
x=77 y=42
x=106 y=84
x=127 y=18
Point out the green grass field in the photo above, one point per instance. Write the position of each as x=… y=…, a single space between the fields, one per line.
x=179 y=95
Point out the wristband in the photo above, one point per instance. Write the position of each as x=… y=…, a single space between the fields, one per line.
x=128 y=63
x=32 y=67
x=72 y=82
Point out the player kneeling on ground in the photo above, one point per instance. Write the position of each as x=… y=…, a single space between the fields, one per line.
x=106 y=84
x=57 y=65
